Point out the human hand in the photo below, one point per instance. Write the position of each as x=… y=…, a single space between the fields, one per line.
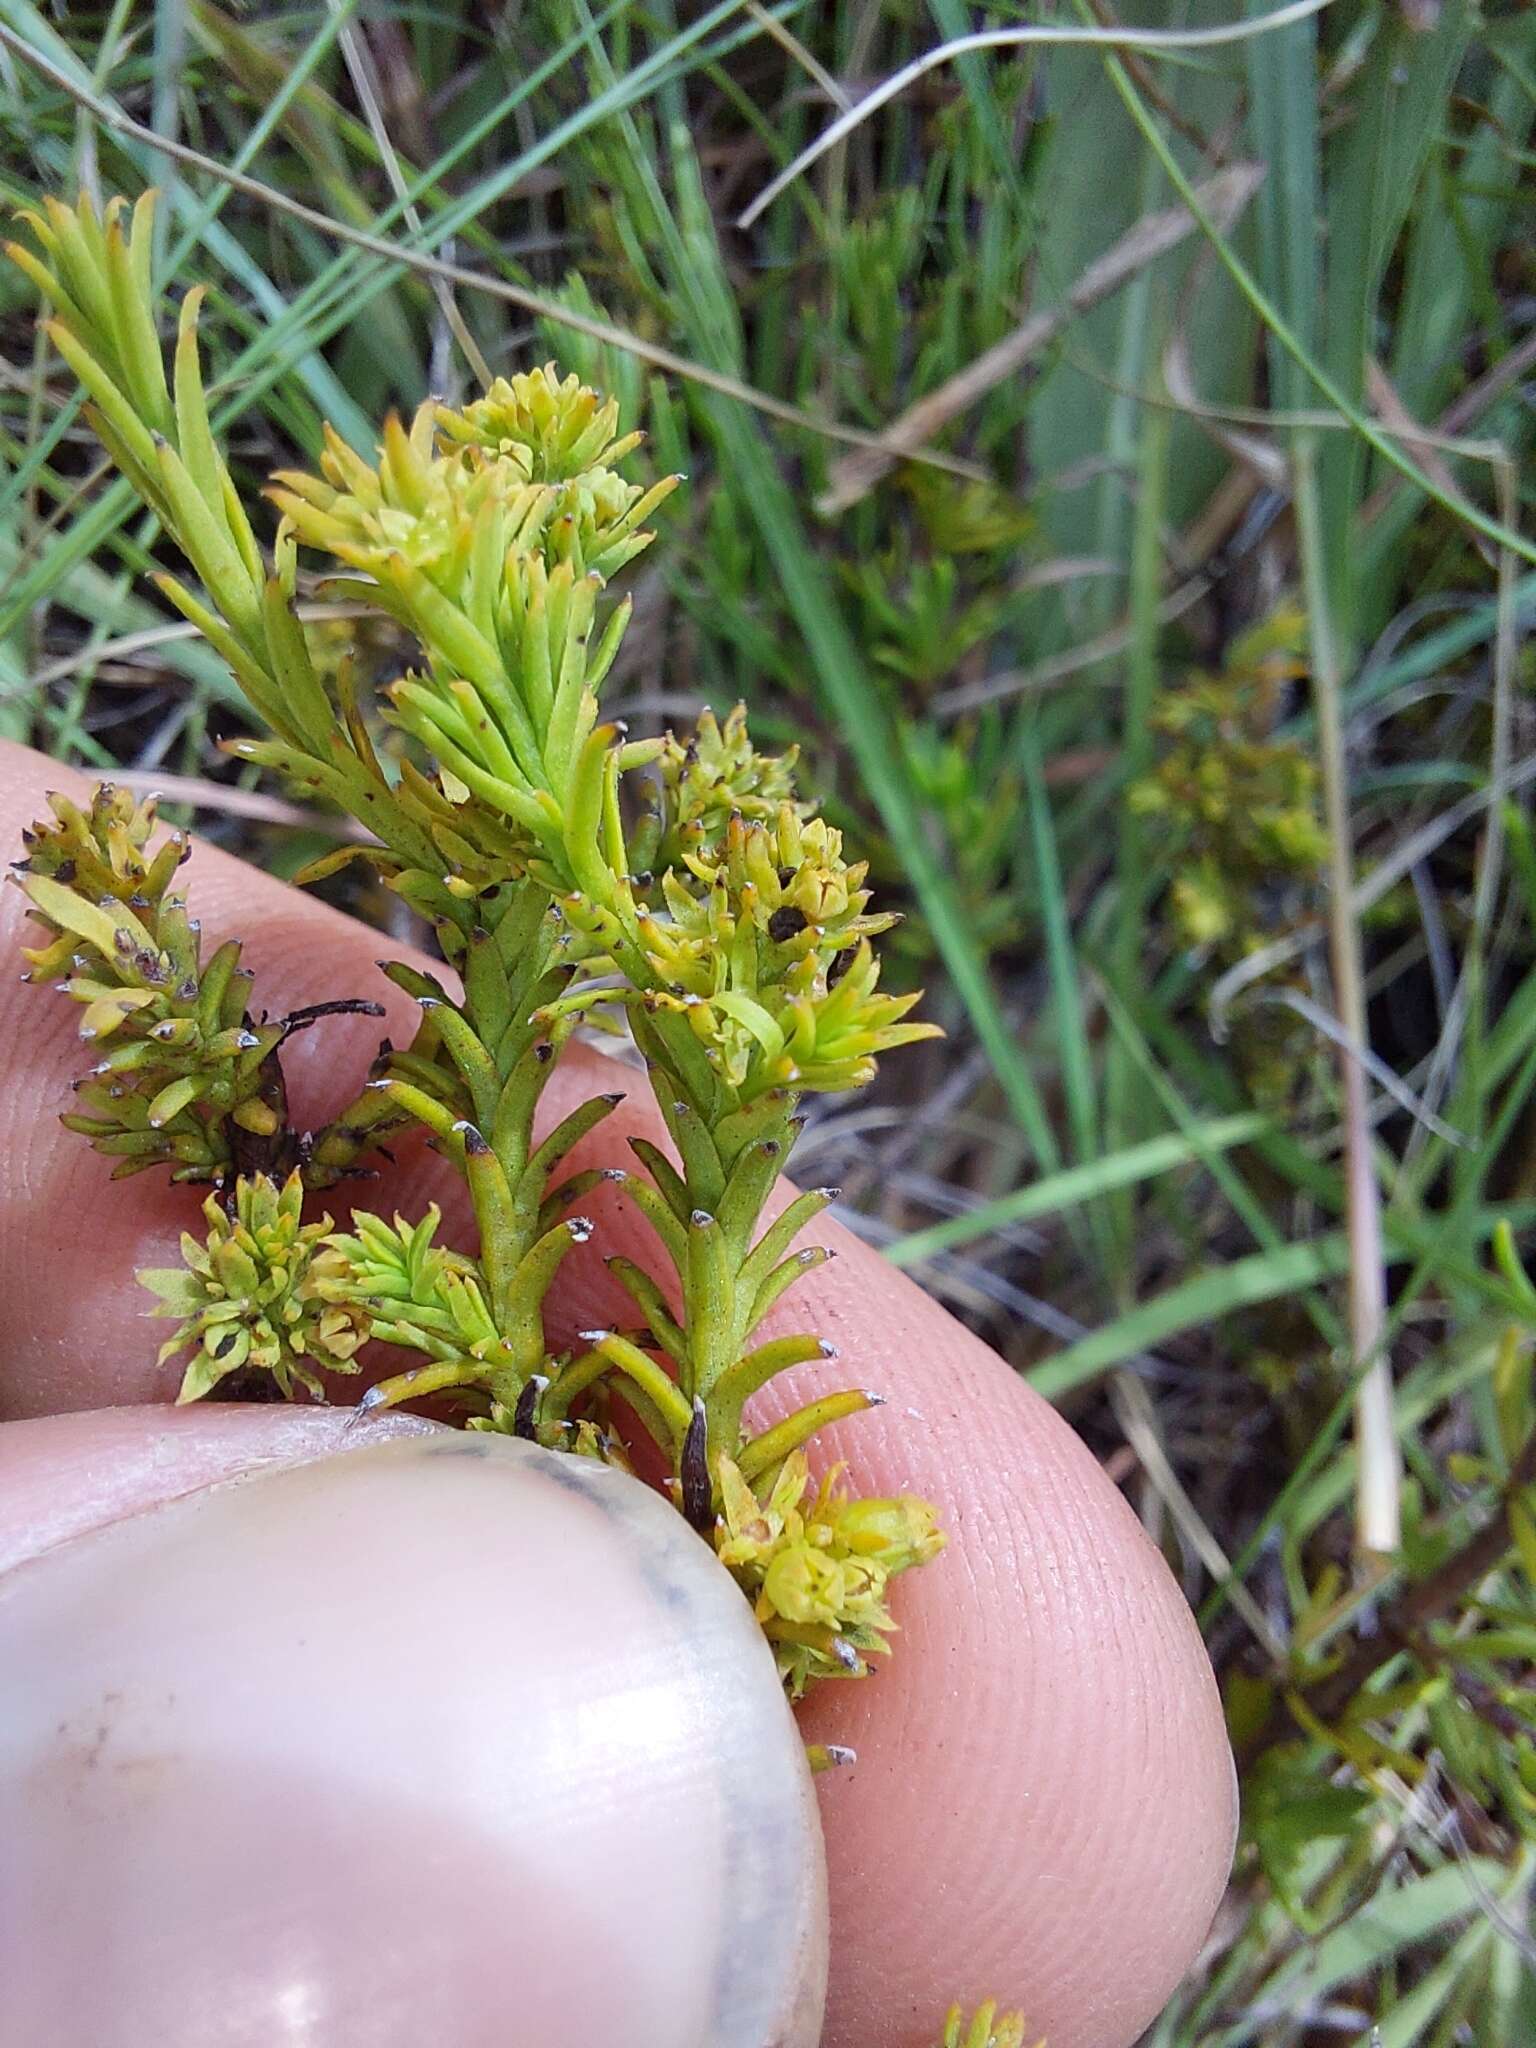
x=1043 y=1804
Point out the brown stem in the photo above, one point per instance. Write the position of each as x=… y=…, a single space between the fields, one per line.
x=277 y=1156
x=1403 y=1622
x=343 y=1006
x=1416 y=1607
x=249 y=1152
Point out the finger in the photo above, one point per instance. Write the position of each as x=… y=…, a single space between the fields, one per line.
x=272 y=1768
x=1049 y=1713
x=71 y=1317
x=1043 y=1807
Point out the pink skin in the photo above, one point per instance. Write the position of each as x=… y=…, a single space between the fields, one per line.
x=1043 y=1809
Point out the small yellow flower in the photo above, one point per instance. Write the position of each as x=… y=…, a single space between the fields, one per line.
x=811 y=1588
x=895 y=1533
x=550 y=428
x=817 y=1571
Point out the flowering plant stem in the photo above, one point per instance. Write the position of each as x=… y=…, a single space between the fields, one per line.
x=679 y=889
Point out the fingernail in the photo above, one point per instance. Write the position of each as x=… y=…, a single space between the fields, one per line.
x=445 y=1739
x=66 y=1475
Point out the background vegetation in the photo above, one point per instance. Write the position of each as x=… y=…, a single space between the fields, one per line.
x=1164 y=654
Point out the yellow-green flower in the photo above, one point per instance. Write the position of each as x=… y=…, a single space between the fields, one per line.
x=527 y=468
x=177 y=1058
x=701 y=782
x=248 y=1296
x=816 y=1570
x=551 y=428
x=761 y=941
x=414 y=504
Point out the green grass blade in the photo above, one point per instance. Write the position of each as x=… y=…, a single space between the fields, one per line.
x=1074 y=1186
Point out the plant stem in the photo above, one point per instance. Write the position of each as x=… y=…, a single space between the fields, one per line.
x=1378 y=1512
x=1132 y=866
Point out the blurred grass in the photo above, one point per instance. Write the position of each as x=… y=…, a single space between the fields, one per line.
x=1065 y=702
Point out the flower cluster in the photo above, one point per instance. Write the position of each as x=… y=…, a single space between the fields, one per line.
x=252 y=1294
x=529 y=467
x=551 y=430
x=762 y=943
x=816 y=1569
x=700 y=784
x=182 y=1070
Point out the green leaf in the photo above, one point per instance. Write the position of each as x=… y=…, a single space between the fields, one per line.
x=1522 y=1527
x=173 y=1099
x=71 y=913
x=1205 y=1299
x=772 y=1446
x=754 y=1018
x=205 y=1371
x=178 y=1290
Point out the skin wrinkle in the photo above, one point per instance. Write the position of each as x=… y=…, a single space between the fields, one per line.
x=1048 y=1714
x=1061 y=1833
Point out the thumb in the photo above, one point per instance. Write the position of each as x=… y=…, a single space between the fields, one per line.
x=443 y=1738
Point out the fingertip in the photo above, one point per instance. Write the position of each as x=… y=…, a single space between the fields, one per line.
x=1043 y=1809
x=437 y=1739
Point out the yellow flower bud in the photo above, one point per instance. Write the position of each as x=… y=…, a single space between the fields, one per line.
x=806 y=1586
x=894 y=1533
